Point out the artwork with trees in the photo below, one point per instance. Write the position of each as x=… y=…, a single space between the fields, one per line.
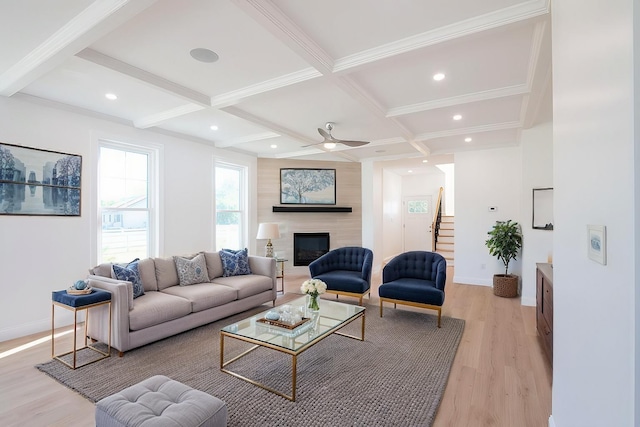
x=308 y=186
x=39 y=182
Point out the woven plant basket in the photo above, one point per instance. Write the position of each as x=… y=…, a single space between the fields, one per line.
x=505 y=285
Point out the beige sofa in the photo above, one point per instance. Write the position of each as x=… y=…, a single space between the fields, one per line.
x=166 y=308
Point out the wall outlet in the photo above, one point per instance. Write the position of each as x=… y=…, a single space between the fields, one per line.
x=483 y=266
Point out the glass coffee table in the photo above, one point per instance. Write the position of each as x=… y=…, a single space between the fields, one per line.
x=256 y=330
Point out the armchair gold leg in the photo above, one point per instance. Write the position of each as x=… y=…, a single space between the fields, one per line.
x=413 y=304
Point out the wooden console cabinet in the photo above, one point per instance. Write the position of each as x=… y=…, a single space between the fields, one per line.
x=544 y=307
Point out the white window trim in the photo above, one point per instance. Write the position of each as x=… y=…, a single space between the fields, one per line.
x=155 y=183
x=244 y=191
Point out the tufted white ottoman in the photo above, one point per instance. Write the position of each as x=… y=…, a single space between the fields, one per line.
x=161 y=401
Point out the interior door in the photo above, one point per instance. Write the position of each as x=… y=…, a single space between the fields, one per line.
x=417 y=215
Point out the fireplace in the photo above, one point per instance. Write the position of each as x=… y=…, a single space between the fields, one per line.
x=308 y=247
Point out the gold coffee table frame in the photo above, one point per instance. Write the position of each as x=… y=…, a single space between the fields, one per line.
x=336 y=314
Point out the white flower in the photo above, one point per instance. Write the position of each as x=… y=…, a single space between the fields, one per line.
x=313 y=286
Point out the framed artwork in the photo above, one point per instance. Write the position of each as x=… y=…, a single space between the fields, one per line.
x=308 y=186
x=597 y=235
x=39 y=182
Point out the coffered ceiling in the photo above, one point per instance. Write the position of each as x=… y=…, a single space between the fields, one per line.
x=286 y=67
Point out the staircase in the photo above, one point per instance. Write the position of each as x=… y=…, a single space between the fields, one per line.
x=444 y=246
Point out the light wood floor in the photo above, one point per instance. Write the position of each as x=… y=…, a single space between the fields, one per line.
x=500 y=376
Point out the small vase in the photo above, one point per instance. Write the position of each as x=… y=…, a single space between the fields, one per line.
x=313 y=303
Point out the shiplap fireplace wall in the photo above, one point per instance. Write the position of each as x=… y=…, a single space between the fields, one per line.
x=345 y=228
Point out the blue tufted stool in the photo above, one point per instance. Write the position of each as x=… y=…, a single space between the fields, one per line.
x=161 y=401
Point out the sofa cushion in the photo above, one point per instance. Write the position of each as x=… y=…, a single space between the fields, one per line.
x=154 y=308
x=129 y=273
x=147 y=271
x=191 y=271
x=247 y=285
x=234 y=263
x=166 y=273
x=204 y=295
x=214 y=264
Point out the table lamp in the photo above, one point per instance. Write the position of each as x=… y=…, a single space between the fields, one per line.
x=268 y=230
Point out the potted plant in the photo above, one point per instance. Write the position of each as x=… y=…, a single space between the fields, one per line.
x=505 y=242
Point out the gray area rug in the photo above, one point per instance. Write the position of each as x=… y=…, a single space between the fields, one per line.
x=396 y=377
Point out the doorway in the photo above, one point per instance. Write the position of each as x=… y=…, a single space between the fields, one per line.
x=416 y=223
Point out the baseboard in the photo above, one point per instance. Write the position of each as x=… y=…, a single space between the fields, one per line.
x=472 y=281
x=528 y=301
x=551 y=422
x=63 y=318
x=24 y=329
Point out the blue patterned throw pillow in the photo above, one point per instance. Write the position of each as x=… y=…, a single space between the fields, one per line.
x=131 y=274
x=235 y=263
x=192 y=271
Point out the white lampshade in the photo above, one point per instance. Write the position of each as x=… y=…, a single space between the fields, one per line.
x=268 y=230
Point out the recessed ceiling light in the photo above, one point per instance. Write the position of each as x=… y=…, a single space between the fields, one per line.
x=410 y=171
x=274 y=146
x=457 y=117
x=213 y=127
x=425 y=161
x=438 y=76
x=204 y=55
x=468 y=139
x=111 y=96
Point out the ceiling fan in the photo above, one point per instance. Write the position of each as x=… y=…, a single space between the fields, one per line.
x=330 y=142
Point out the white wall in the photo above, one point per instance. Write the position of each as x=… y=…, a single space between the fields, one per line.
x=427 y=184
x=43 y=254
x=537 y=172
x=484 y=178
x=391 y=214
x=595 y=179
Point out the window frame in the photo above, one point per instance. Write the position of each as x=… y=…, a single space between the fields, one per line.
x=242 y=202
x=153 y=154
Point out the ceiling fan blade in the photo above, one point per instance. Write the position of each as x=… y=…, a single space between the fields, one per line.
x=352 y=143
x=313 y=145
x=325 y=134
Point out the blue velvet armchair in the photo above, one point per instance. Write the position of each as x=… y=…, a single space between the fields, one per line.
x=346 y=271
x=415 y=278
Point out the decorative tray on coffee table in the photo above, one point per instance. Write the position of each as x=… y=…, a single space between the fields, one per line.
x=284 y=325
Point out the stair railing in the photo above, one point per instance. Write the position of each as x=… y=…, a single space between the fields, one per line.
x=437 y=219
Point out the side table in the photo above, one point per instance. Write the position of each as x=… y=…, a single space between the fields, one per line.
x=280 y=272
x=76 y=303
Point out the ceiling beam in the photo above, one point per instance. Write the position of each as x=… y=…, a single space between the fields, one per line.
x=495 y=19
x=468 y=130
x=146 y=77
x=158 y=118
x=267 y=14
x=459 y=100
x=268 y=125
x=98 y=19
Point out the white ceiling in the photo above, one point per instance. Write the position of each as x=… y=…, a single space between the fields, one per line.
x=288 y=66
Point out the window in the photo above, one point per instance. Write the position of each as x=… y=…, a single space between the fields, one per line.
x=126 y=211
x=417 y=206
x=230 y=207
